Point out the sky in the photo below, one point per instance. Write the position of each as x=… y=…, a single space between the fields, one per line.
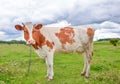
x=102 y=15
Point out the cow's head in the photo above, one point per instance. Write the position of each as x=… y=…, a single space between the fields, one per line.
x=29 y=30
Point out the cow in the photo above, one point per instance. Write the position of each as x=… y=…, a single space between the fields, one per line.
x=48 y=40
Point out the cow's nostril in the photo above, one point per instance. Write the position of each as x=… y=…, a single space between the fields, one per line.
x=30 y=42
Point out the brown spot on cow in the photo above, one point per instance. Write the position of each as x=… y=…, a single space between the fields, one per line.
x=66 y=36
x=35 y=46
x=90 y=32
x=40 y=40
x=26 y=33
x=49 y=44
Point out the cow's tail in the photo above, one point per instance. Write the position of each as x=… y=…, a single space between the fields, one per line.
x=90 y=48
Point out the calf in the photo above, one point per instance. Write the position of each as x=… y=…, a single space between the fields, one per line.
x=47 y=40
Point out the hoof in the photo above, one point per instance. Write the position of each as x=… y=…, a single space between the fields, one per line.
x=86 y=77
x=82 y=74
x=50 y=79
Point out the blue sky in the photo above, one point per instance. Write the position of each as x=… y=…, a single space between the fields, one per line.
x=103 y=15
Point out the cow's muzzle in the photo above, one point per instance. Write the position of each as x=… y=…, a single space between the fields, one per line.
x=31 y=42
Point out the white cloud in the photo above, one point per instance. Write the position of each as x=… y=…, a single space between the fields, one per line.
x=110 y=25
x=49 y=10
x=3 y=36
x=2 y=33
x=105 y=35
x=59 y=24
x=106 y=29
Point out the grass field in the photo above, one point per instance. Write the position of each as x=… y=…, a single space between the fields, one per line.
x=105 y=68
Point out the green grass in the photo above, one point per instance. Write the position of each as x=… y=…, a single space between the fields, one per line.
x=105 y=68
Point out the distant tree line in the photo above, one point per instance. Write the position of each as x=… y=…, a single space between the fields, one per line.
x=113 y=41
x=108 y=39
x=13 y=42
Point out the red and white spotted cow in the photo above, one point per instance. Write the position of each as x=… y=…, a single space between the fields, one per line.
x=46 y=41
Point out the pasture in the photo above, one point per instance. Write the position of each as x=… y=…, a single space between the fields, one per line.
x=14 y=58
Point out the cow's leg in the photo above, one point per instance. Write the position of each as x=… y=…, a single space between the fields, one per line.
x=87 y=61
x=49 y=63
x=88 y=56
x=85 y=65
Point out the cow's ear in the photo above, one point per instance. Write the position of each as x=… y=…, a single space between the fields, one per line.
x=38 y=26
x=19 y=27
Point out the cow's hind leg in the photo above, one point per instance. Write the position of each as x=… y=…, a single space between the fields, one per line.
x=85 y=66
x=87 y=62
x=88 y=67
x=89 y=58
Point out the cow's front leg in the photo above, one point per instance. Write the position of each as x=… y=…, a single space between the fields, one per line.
x=49 y=63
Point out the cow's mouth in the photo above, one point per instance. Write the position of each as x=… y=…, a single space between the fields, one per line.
x=30 y=42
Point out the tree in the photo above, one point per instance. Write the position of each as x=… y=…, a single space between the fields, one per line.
x=13 y=42
x=114 y=41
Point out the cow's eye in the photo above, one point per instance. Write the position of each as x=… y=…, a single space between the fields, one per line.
x=25 y=31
